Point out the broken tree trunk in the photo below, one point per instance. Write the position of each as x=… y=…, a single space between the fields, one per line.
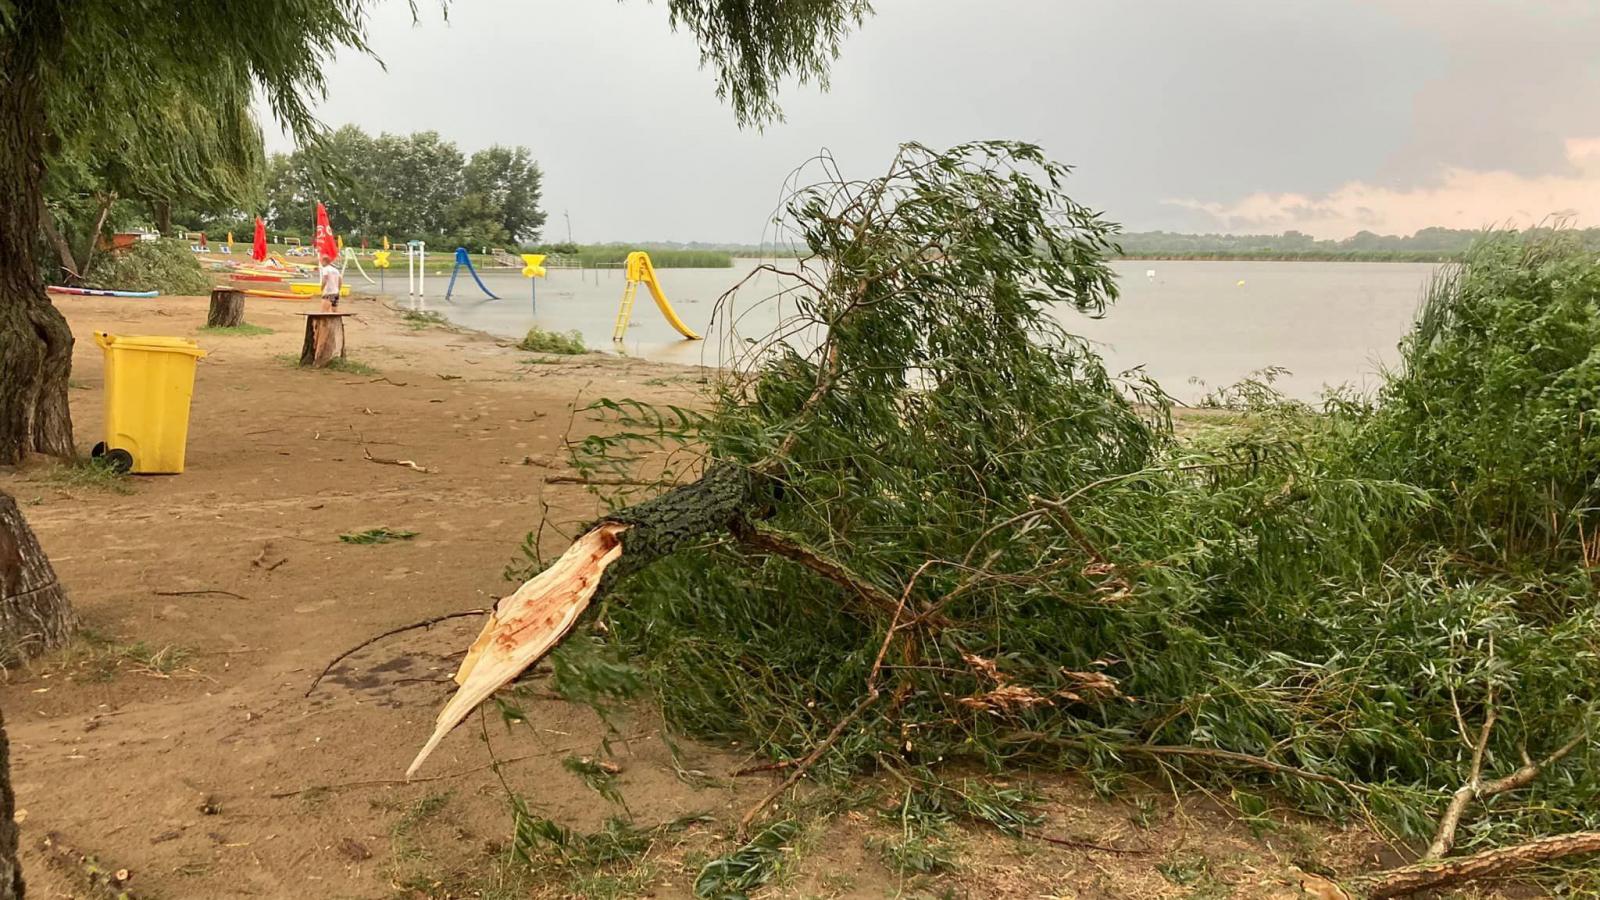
x=524 y=626
x=227 y=308
x=34 y=613
x=324 y=339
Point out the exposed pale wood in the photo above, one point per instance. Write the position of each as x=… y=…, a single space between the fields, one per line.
x=530 y=622
x=324 y=339
x=523 y=626
x=227 y=308
x=34 y=613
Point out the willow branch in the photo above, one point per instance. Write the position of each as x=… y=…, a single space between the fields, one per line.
x=1433 y=874
x=776 y=543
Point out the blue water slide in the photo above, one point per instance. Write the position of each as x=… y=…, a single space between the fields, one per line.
x=462 y=259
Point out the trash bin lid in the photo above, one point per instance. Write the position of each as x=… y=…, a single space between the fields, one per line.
x=152 y=342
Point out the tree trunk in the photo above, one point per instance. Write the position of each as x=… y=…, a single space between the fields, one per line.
x=324 y=339
x=11 y=887
x=35 y=342
x=227 y=308
x=34 y=613
x=164 y=217
x=93 y=242
x=71 y=272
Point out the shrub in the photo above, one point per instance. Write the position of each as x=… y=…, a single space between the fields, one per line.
x=538 y=340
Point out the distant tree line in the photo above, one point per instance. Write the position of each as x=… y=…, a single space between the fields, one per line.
x=418 y=186
x=1427 y=245
x=415 y=186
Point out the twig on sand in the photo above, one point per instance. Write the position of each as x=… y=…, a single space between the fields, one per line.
x=390 y=633
x=1087 y=845
x=403 y=463
x=769 y=767
x=199 y=593
x=579 y=479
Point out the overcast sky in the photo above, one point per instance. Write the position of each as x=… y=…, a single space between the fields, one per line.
x=1328 y=116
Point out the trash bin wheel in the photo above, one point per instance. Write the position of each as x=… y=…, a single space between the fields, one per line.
x=120 y=460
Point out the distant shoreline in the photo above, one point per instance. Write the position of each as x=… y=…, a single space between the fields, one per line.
x=1293 y=257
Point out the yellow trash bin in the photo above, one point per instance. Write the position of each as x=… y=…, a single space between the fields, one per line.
x=149 y=381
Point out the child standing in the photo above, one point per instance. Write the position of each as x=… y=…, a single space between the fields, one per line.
x=332 y=284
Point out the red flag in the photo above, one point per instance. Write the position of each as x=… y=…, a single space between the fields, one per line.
x=258 y=247
x=324 y=238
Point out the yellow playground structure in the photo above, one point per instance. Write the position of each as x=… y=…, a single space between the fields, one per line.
x=639 y=270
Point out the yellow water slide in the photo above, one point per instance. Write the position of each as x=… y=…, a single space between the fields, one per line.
x=639 y=271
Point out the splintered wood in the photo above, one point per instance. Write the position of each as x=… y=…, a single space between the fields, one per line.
x=524 y=626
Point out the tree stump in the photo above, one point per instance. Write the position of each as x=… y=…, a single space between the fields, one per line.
x=34 y=613
x=324 y=339
x=227 y=308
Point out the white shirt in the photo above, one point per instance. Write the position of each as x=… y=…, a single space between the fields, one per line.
x=332 y=280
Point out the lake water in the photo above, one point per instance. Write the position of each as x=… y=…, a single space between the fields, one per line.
x=1210 y=322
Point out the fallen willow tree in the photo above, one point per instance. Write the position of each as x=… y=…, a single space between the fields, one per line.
x=929 y=527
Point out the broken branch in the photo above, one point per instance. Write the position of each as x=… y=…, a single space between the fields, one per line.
x=404 y=463
x=1490 y=863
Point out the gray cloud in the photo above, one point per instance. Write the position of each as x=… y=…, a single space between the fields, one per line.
x=1150 y=99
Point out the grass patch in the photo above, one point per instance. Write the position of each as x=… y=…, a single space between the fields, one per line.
x=421 y=811
x=243 y=329
x=537 y=340
x=341 y=364
x=349 y=366
x=377 y=536
x=93 y=473
x=96 y=657
x=610 y=862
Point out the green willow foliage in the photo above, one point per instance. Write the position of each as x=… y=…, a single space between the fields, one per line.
x=165 y=266
x=1343 y=592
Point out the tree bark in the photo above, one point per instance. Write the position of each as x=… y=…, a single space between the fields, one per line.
x=324 y=339
x=1441 y=873
x=227 y=308
x=35 y=342
x=11 y=887
x=34 y=613
x=164 y=217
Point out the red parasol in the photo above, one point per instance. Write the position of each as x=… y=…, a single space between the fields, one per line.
x=324 y=238
x=258 y=247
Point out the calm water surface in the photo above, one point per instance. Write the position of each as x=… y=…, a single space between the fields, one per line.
x=1191 y=325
